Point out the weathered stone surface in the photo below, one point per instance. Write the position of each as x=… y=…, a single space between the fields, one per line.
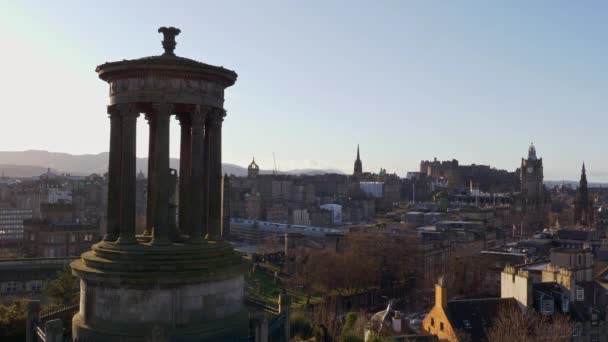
x=163 y=286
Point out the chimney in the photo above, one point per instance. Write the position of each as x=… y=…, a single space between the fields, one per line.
x=441 y=293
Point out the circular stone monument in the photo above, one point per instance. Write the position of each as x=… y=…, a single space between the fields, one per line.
x=178 y=281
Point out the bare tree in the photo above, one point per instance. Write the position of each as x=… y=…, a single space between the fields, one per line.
x=514 y=325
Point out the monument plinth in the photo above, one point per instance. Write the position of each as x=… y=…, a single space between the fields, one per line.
x=176 y=282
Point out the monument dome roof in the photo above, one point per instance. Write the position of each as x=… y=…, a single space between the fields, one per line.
x=168 y=63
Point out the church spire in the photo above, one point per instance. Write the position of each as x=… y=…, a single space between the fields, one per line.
x=583 y=181
x=358 y=170
x=583 y=173
x=583 y=209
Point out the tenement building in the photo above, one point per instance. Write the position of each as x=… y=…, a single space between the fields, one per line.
x=174 y=282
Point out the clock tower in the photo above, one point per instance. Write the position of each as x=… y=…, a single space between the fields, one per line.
x=531 y=204
x=531 y=177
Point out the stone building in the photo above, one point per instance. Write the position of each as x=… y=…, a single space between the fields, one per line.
x=456 y=175
x=465 y=319
x=11 y=224
x=57 y=234
x=532 y=204
x=28 y=277
x=567 y=286
x=277 y=213
x=180 y=282
x=253 y=170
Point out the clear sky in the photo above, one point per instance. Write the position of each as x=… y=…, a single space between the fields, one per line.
x=408 y=80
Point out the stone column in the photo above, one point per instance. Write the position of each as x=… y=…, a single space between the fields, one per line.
x=198 y=188
x=150 y=192
x=214 y=205
x=185 y=171
x=128 y=174
x=162 y=113
x=114 y=170
x=205 y=179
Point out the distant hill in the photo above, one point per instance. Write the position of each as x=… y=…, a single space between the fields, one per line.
x=35 y=162
x=22 y=170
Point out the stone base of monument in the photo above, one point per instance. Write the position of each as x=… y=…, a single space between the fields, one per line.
x=175 y=292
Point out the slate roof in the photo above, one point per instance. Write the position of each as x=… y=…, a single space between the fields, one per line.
x=572 y=234
x=475 y=316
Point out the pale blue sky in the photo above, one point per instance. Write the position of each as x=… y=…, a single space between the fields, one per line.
x=476 y=81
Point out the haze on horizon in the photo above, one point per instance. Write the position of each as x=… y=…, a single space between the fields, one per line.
x=472 y=80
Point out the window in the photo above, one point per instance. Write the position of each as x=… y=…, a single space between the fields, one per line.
x=441 y=326
x=73 y=238
x=432 y=322
x=580 y=294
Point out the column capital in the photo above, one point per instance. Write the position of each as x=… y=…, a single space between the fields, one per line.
x=199 y=115
x=123 y=109
x=162 y=108
x=184 y=119
x=216 y=116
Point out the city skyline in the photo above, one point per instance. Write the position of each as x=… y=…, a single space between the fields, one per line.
x=449 y=81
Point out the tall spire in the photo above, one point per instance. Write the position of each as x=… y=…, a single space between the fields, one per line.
x=358 y=170
x=583 y=209
x=583 y=168
x=583 y=182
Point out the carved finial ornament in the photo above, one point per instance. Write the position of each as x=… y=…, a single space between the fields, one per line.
x=169 y=43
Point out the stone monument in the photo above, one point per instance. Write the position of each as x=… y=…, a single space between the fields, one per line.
x=175 y=282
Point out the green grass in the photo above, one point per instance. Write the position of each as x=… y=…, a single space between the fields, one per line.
x=262 y=286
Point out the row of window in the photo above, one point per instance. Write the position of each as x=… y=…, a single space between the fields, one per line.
x=54 y=238
x=20 y=217
x=4 y=220
x=14 y=287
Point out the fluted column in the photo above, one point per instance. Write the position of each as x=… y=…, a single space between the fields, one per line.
x=162 y=113
x=198 y=189
x=214 y=214
x=114 y=169
x=205 y=178
x=128 y=174
x=185 y=171
x=151 y=178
